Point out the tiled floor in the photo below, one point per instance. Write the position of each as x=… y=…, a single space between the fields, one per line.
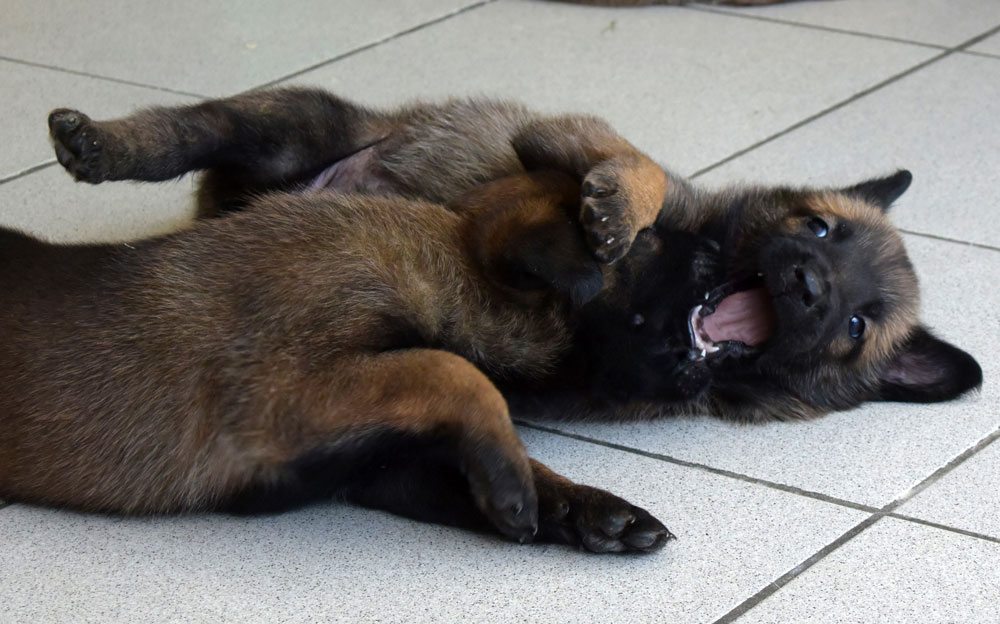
x=884 y=514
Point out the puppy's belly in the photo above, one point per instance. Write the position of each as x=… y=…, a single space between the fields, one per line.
x=355 y=174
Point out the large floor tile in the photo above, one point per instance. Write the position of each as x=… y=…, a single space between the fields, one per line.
x=937 y=123
x=24 y=134
x=50 y=205
x=873 y=454
x=988 y=46
x=209 y=47
x=691 y=87
x=967 y=498
x=336 y=563
x=896 y=571
x=938 y=22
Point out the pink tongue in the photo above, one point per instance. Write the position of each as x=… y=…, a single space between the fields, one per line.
x=745 y=316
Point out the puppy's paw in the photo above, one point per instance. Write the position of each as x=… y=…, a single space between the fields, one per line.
x=79 y=145
x=619 y=197
x=598 y=521
x=504 y=490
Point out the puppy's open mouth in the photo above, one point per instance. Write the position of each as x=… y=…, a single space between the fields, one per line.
x=737 y=318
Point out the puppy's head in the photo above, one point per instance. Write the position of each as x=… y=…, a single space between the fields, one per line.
x=816 y=304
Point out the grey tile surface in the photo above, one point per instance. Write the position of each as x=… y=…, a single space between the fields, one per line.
x=873 y=454
x=939 y=123
x=50 y=205
x=209 y=47
x=34 y=91
x=967 y=498
x=334 y=563
x=990 y=45
x=939 y=22
x=688 y=86
x=893 y=572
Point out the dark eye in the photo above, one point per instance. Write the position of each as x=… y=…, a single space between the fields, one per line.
x=818 y=227
x=856 y=327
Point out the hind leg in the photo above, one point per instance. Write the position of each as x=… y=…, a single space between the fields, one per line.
x=269 y=137
x=331 y=429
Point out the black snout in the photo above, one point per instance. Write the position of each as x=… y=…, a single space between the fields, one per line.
x=811 y=283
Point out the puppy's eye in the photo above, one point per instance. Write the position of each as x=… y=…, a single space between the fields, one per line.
x=818 y=227
x=856 y=327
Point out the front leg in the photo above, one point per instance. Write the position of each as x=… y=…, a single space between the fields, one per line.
x=622 y=190
x=418 y=486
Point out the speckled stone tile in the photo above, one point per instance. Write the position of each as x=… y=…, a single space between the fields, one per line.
x=50 y=205
x=33 y=91
x=896 y=571
x=333 y=563
x=208 y=47
x=938 y=123
x=967 y=498
x=690 y=87
x=940 y=22
x=873 y=454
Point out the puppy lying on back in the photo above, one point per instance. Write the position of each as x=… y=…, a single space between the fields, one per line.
x=751 y=304
x=294 y=350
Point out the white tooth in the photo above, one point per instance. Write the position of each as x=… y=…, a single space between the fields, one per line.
x=704 y=353
x=706 y=296
x=610 y=240
x=604 y=219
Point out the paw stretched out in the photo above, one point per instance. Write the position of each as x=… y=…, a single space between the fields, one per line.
x=79 y=145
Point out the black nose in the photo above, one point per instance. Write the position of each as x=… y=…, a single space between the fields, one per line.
x=812 y=284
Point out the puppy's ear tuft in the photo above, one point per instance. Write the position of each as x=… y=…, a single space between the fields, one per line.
x=882 y=192
x=929 y=370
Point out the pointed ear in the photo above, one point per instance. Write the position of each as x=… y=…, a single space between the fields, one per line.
x=928 y=370
x=882 y=192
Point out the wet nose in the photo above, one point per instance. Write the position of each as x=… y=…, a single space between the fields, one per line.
x=812 y=284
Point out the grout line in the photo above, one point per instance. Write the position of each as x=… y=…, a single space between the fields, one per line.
x=790 y=489
x=857 y=96
x=76 y=72
x=787 y=577
x=368 y=46
x=826 y=111
x=983 y=54
x=28 y=171
x=949 y=240
x=831 y=29
x=942 y=471
x=944 y=527
x=792 y=574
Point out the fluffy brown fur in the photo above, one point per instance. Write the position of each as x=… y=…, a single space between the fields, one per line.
x=297 y=348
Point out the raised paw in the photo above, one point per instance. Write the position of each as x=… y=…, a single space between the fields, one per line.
x=78 y=144
x=598 y=521
x=619 y=197
x=504 y=490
